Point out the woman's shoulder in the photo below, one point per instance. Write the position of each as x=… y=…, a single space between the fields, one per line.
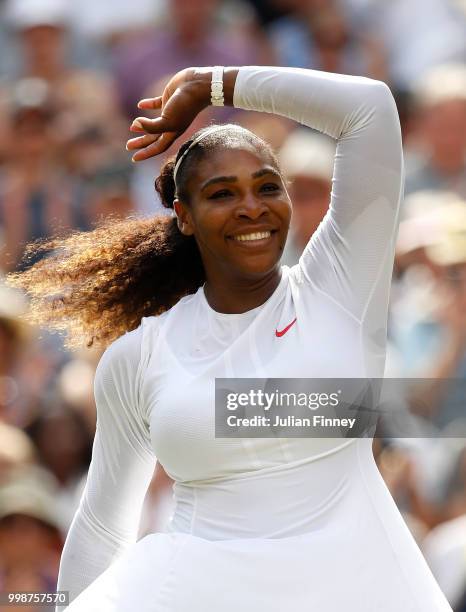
x=122 y=364
x=122 y=356
x=129 y=349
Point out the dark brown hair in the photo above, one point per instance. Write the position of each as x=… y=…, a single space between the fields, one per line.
x=97 y=285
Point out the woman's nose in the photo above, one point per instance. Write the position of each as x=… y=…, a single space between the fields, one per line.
x=251 y=207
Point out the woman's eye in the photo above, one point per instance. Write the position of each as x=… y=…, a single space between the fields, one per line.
x=222 y=193
x=269 y=187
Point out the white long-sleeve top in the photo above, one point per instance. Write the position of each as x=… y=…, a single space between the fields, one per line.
x=153 y=386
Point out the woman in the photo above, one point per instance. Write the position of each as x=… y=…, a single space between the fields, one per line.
x=260 y=523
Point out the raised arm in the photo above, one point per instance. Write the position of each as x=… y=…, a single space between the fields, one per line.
x=107 y=520
x=350 y=257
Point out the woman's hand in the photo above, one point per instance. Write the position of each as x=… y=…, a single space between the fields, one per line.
x=184 y=97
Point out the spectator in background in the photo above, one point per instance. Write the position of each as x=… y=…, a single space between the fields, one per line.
x=75 y=385
x=189 y=36
x=56 y=175
x=318 y=34
x=18 y=391
x=270 y=127
x=455 y=487
x=431 y=333
x=307 y=160
x=16 y=449
x=63 y=445
x=55 y=186
x=438 y=138
x=33 y=203
x=416 y=34
x=268 y=11
x=43 y=36
x=31 y=532
x=401 y=474
x=98 y=172
x=445 y=551
x=113 y=22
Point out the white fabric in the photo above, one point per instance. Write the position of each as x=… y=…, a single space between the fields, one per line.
x=260 y=524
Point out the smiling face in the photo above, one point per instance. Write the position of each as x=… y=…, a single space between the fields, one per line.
x=239 y=212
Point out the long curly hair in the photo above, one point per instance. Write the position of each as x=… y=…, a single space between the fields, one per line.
x=93 y=286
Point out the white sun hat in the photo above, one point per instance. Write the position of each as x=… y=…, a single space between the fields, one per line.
x=31 y=490
x=306 y=153
x=440 y=84
x=24 y=14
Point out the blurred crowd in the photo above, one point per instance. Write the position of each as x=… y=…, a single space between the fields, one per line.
x=70 y=76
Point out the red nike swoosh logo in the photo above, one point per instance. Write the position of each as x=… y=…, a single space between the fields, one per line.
x=281 y=333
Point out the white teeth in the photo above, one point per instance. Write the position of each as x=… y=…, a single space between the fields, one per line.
x=255 y=236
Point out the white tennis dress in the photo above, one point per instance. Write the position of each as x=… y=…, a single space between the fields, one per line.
x=260 y=524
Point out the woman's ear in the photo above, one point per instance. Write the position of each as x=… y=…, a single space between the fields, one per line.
x=183 y=217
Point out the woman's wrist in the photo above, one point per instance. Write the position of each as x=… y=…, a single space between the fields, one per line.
x=203 y=77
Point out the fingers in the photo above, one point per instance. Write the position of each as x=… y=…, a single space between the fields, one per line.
x=156 y=134
x=145 y=104
x=152 y=126
x=150 y=103
x=141 y=141
x=155 y=148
